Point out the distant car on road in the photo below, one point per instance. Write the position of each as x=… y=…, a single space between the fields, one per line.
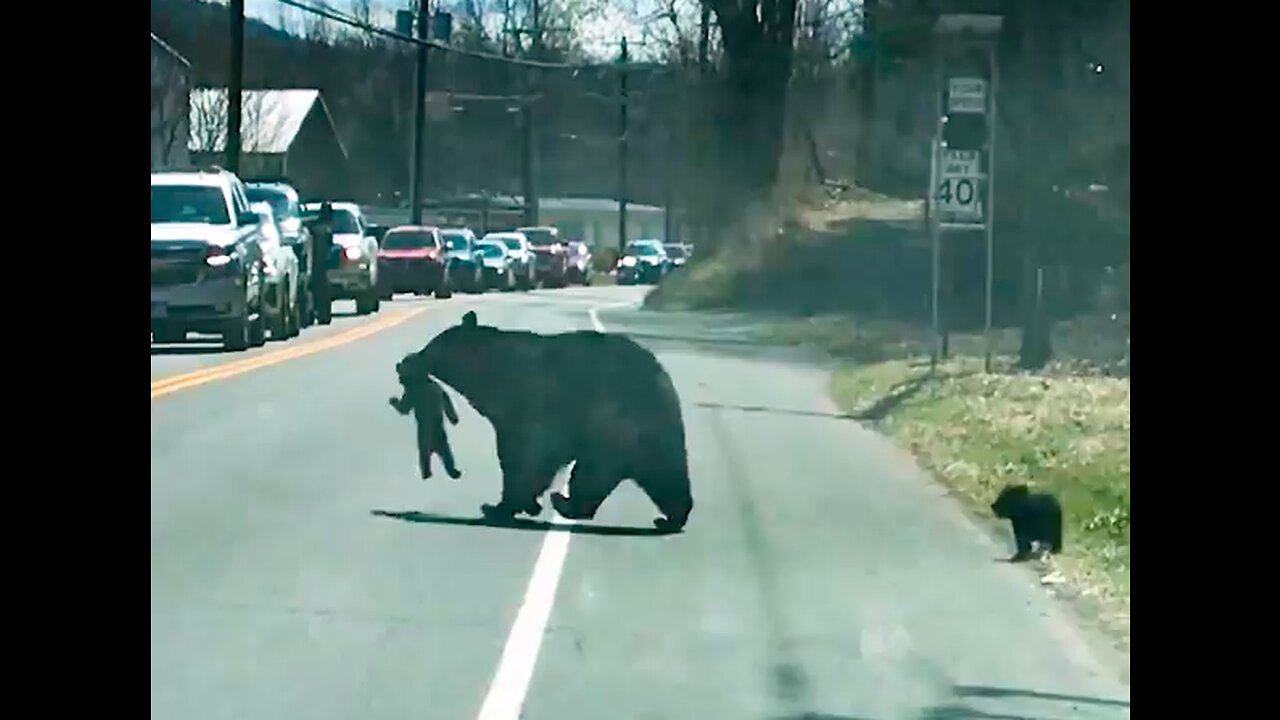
x=280 y=268
x=206 y=259
x=519 y=255
x=643 y=261
x=495 y=265
x=578 y=262
x=352 y=265
x=411 y=258
x=552 y=260
x=462 y=264
x=680 y=253
x=283 y=198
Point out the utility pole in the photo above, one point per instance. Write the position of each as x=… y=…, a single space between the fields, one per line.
x=529 y=186
x=622 y=151
x=419 y=119
x=235 y=86
x=668 y=195
x=669 y=173
x=528 y=190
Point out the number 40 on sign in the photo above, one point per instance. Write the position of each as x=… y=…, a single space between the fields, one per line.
x=959 y=173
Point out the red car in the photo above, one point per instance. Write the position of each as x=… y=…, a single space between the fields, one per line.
x=411 y=259
x=551 y=257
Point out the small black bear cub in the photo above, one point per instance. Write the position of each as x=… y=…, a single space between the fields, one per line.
x=1036 y=518
x=427 y=401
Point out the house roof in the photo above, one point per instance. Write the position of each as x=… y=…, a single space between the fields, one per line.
x=270 y=119
x=155 y=40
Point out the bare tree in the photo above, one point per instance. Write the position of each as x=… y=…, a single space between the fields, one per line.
x=316 y=29
x=362 y=10
x=208 y=120
x=169 y=91
x=263 y=119
x=758 y=38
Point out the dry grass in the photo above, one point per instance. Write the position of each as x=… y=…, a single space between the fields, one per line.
x=861 y=206
x=977 y=432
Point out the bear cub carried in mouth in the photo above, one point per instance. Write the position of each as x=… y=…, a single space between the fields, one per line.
x=430 y=404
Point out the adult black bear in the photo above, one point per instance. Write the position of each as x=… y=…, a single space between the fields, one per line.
x=1036 y=517
x=599 y=399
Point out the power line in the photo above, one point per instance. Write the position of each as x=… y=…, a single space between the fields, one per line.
x=436 y=44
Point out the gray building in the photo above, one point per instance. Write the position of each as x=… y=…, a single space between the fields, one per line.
x=283 y=133
x=170 y=93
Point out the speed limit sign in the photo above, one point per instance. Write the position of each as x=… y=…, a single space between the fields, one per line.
x=959 y=175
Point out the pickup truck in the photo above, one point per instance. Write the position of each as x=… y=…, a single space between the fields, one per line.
x=207 y=271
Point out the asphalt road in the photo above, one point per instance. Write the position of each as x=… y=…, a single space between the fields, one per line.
x=301 y=569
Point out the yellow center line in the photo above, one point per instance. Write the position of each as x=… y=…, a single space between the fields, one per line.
x=167 y=385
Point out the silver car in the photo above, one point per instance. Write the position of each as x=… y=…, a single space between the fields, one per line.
x=207 y=269
x=280 y=266
x=519 y=255
x=495 y=265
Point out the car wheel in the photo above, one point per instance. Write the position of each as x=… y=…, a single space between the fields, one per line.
x=280 y=323
x=294 y=319
x=367 y=302
x=236 y=335
x=258 y=330
x=306 y=312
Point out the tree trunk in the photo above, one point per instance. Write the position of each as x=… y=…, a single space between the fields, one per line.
x=866 y=167
x=751 y=118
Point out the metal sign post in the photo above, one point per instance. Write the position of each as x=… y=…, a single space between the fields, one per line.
x=962 y=182
x=931 y=217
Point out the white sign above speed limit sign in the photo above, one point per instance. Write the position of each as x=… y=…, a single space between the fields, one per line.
x=959 y=175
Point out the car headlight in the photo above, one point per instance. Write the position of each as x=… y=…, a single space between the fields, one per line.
x=216 y=256
x=628 y=261
x=352 y=252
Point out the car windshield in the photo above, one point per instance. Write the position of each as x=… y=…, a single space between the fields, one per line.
x=642 y=249
x=512 y=243
x=280 y=203
x=344 y=221
x=408 y=240
x=189 y=204
x=490 y=250
x=539 y=237
x=456 y=241
x=676 y=251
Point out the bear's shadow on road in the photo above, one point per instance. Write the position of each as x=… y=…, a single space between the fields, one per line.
x=417 y=516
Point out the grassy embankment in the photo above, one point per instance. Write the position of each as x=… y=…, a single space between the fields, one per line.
x=1065 y=429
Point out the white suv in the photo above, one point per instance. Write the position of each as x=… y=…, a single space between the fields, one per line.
x=206 y=259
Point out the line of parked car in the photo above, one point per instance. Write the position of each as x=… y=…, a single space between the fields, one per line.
x=233 y=258
x=430 y=260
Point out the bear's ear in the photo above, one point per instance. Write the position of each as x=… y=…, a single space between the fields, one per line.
x=469 y=320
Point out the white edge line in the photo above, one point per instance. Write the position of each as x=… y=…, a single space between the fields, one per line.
x=595 y=318
x=515 y=670
x=506 y=695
